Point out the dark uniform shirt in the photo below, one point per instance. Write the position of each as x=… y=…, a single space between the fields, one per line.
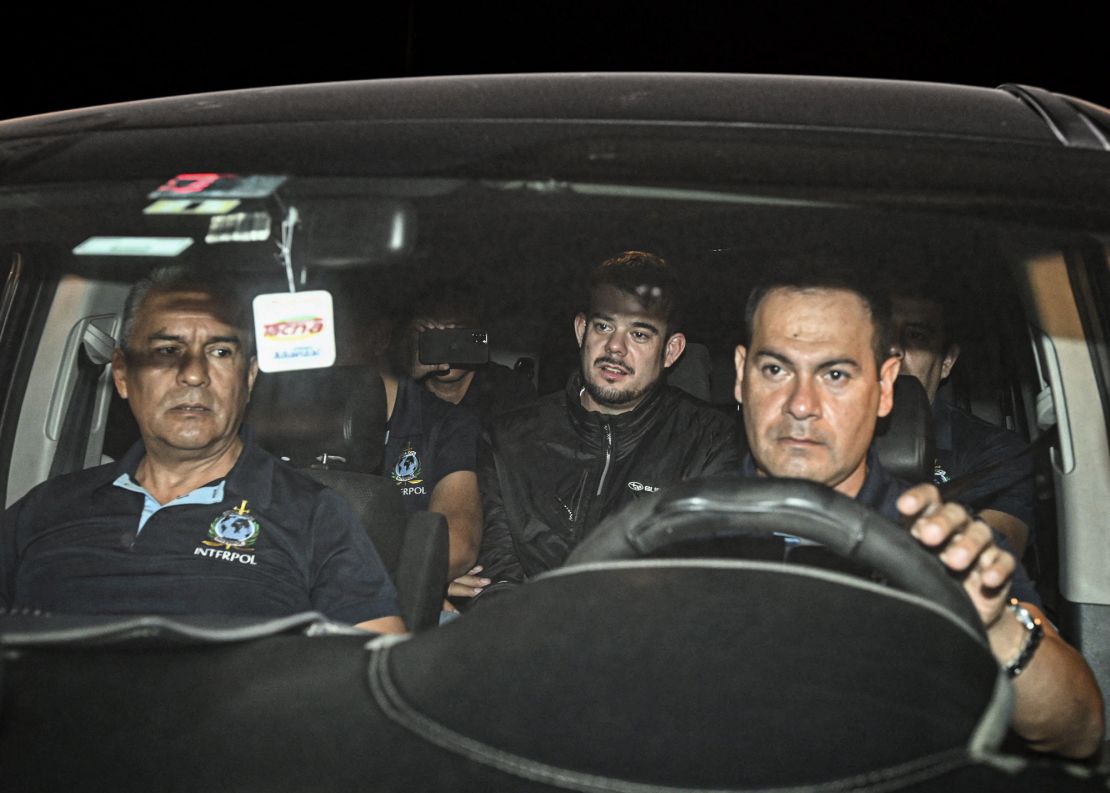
x=428 y=439
x=276 y=543
x=966 y=444
x=880 y=492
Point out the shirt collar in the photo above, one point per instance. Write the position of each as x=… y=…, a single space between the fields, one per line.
x=871 y=494
x=630 y=424
x=251 y=476
x=875 y=483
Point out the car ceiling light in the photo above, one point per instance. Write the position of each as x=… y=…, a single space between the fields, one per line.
x=133 y=246
x=398 y=236
x=239 y=227
x=185 y=206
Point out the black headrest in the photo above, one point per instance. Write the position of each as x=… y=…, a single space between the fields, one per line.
x=904 y=439
x=334 y=417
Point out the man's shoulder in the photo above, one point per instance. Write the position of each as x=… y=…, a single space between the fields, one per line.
x=65 y=489
x=969 y=432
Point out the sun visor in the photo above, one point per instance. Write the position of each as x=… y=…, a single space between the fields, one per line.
x=349 y=232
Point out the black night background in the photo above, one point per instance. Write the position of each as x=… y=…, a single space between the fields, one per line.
x=57 y=62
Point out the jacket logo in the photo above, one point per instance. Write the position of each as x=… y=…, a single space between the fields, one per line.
x=408 y=470
x=231 y=536
x=638 y=487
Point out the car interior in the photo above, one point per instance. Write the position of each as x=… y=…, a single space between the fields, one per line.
x=1031 y=301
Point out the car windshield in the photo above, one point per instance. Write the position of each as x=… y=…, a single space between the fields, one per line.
x=405 y=203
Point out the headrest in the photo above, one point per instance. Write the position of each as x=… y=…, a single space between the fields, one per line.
x=904 y=439
x=691 y=373
x=332 y=417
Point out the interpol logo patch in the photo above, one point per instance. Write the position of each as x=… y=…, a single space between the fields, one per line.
x=408 y=470
x=234 y=532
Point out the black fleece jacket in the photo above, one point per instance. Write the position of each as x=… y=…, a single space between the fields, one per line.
x=550 y=471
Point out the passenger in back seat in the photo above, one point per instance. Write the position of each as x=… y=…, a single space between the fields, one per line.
x=965 y=444
x=488 y=389
x=550 y=471
x=430 y=451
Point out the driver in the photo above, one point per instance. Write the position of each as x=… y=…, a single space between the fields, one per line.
x=815 y=376
x=196 y=518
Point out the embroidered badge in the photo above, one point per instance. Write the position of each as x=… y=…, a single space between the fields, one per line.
x=231 y=536
x=408 y=470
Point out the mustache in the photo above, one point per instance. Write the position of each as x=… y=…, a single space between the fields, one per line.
x=799 y=431
x=610 y=361
x=189 y=397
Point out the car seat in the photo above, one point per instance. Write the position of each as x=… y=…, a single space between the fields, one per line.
x=904 y=438
x=330 y=423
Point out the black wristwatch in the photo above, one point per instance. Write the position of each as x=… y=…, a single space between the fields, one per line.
x=1034 y=632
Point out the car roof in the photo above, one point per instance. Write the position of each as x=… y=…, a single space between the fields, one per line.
x=835 y=139
x=1012 y=113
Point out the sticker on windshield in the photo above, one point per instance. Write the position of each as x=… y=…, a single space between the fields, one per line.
x=218 y=185
x=203 y=206
x=133 y=246
x=239 y=227
x=295 y=330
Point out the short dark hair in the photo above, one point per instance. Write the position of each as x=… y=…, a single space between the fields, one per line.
x=228 y=299
x=930 y=287
x=820 y=274
x=648 y=278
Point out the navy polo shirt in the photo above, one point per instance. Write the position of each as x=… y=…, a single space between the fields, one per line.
x=276 y=543
x=966 y=444
x=428 y=439
x=880 y=492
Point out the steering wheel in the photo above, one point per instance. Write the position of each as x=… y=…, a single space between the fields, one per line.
x=728 y=507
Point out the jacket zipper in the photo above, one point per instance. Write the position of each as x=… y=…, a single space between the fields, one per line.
x=608 y=455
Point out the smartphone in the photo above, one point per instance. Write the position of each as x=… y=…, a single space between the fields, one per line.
x=453 y=346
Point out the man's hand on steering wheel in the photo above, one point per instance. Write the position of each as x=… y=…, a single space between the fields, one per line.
x=964 y=545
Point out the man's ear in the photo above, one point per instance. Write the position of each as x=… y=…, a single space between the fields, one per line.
x=951 y=355
x=252 y=374
x=887 y=375
x=676 y=344
x=580 y=327
x=119 y=372
x=741 y=356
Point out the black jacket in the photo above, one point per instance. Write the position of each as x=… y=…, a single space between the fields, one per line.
x=550 y=471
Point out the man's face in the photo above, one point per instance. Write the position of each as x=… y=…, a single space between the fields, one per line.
x=623 y=350
x=809 y=387
x=920 y=340
x=187 y=376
